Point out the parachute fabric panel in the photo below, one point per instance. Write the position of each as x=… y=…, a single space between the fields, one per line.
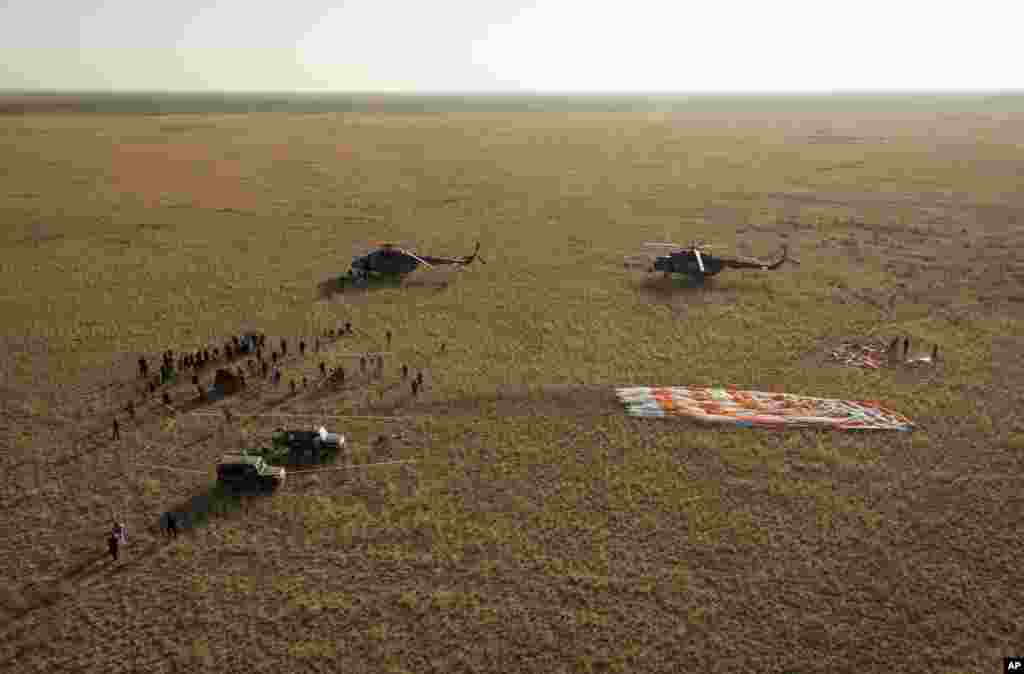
x=758 y=408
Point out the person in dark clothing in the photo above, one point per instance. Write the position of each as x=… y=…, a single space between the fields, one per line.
x=387 y=336
x=172 y=525
x=302 y=347
x=293 y=386
x=216 y=353
x=341 y=375
x=405 y=371
x=264 y=368
x=206 y=356
x=348 y=328
x=316 y=345
x=130 y=409
x=112 y=544
x=284 y=347
x=906 y=347
x=117 y=430
x=323 y=369
x=362 y=364
x=228 y=352
x=152 y=387
x=195 y=380
x=419 y=379
x=167 y=398
x=273 y=357
x=305 y=382
x=442 y=347
x=143 y=368
x=415 y=387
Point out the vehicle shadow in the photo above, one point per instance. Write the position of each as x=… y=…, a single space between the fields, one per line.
x=208 y=505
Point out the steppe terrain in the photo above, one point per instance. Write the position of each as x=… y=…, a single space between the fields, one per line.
x=540 y=529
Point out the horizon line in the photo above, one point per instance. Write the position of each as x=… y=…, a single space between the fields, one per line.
x=520 y=93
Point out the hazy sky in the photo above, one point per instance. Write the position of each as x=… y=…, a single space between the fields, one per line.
x=511 y=45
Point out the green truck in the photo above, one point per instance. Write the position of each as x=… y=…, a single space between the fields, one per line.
x=248 y=472
x=301 y=447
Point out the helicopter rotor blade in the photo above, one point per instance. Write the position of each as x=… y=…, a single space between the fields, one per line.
x=418 y=259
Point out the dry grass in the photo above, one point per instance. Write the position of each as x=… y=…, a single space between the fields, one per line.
x=541 y=529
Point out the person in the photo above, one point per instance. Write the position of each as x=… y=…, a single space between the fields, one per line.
x=120 y=531
x=419 y=378
x=442 y=347
x=387 y=336
x=405 y=371
x=316 y=345
x=362 y=364
x=415 y=387
x=264 y=368
x=143 y=368
x=906 y=347
x=152 y=387
x=284 y=347
x=117 y=430
x=305 y=383
x=302 y=348
x=167 y=398
x=273 y=357
x=172 y=525
x=293 y=386
x=348 y=328
x=112 y=546
x=130 y=408
x=323 y=369
x=277 y=376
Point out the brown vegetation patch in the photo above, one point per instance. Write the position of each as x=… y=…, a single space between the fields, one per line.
x=180 y=172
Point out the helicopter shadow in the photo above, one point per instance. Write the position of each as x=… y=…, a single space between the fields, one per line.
x=345 y=286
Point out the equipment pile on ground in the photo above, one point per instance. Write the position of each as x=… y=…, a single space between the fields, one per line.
x=869 y=355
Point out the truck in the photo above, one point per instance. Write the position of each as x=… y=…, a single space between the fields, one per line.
x=298 y=447
x=245 y=471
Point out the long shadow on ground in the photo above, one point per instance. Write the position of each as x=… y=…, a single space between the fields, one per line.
x=345 y=286
x=208 y=505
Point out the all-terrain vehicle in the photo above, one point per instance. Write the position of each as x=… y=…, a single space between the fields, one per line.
x=247 y=472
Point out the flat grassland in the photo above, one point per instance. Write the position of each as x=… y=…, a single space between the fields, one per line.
x=541 y=530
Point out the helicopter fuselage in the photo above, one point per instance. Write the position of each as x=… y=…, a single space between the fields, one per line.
x=384 y=263
x=686 y=262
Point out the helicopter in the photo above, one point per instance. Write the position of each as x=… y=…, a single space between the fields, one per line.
x=694 y=260
x=392 y=261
